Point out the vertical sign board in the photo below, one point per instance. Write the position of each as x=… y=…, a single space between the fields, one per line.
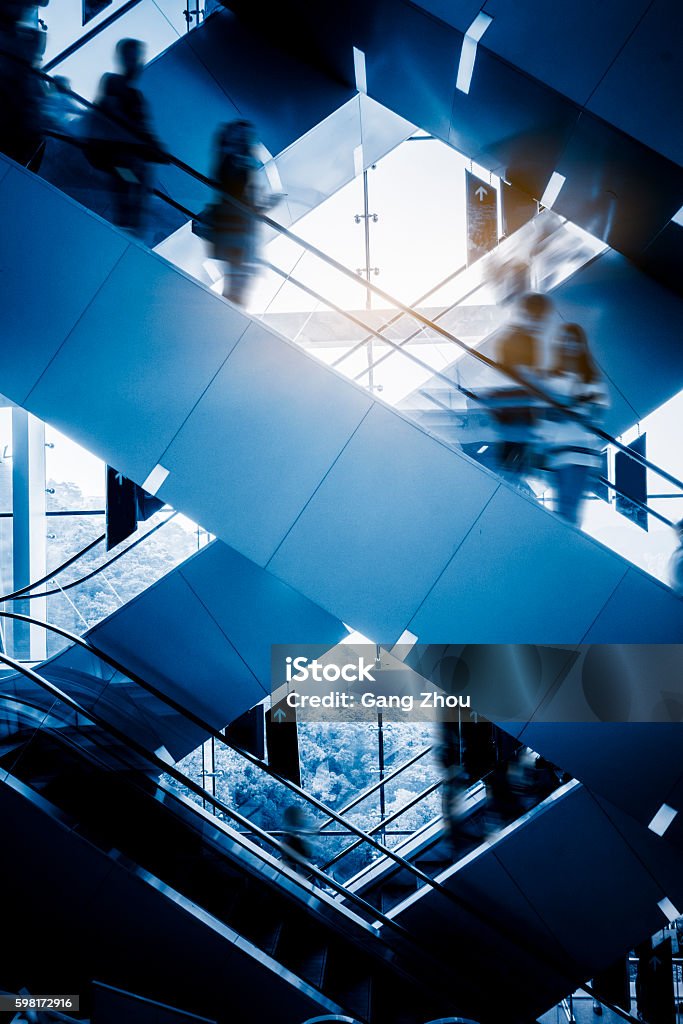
x=631 y=478
x=654 y=984
x=482 y=217
x=126 y=506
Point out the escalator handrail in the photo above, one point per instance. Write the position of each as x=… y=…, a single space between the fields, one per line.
x=379 y=784
x=165 y=769
x=492 y=921
x=54 y=572
x=422 y=876
x=398 y=347
x=399 y=812
x=74 y=558
x=519 y=380
x=389 y=323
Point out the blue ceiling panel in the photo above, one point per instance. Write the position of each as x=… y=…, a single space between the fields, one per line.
x=511 y=123
x=287 y=99
x=382 y=525
x=270 y=426
x=612 y=889
x=616 y=188
x=416 y=81
x=569 y=46
x=534 y=552
x=196 y=664
x=640 y=609
x=256 y=610
x=459 y=14
x=663 y=257
x=641 y=91
x=45 y=284
x=147 y=315
x=632 y=764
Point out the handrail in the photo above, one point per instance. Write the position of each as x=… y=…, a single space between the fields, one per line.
x=308 y=797
x=485 y=360
x=398 y=316
x=378 y=785
x=434 y=373
x=522 y=382
x=54 y=572
x=170 y=770
x=398 y=813
x=83 y=579
x=492 y=921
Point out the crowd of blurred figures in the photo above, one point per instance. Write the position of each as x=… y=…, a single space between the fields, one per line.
x=110 y=145
x=533 y=422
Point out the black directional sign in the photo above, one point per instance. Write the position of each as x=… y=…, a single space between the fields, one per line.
x=482 y=217
x=631 y=479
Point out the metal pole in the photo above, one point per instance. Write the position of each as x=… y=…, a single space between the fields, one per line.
x=368 y=294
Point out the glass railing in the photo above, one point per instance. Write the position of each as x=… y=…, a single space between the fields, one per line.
x=233 y=784
x=121 y=795
x=93 y=583
x=520 y=425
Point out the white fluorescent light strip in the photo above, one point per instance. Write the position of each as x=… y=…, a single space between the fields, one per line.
x=358 y=160
x=552 y=189
x=155 y=479
x=359 y=70
x=662 y=819
x=678 y=217
x=667 y=908
x=469 y=50
x=404 y=645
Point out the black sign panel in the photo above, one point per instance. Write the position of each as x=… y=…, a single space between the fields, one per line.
x=654 y=984
x=631 y=479
x=482 y=217
x=126 y=506
x=91 y=8
x=282 y=737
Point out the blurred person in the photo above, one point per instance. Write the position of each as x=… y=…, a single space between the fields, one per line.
x=229 y=224
x=296 y=837
x=521 y=348
x=121 y=140
x=21 y=12
x=572 y=449
x=22 y=92
x=61 y=108
x=454 y=784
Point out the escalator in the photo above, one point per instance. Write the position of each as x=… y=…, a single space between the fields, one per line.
x=167 y=407
x=504 y=910
x=234 y=628
x=318 y=955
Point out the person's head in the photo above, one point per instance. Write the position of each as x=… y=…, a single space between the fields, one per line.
x=535 y=307
x=130 y=56
x=294 y=817
x=572 y=352
x=237 y=137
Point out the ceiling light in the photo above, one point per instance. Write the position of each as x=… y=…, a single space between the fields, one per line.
x=552 y=189
x=469 y=50
x=662 y=819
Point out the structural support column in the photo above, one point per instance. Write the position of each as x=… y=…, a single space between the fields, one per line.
x=29 y=559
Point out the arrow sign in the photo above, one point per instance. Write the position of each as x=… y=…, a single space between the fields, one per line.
x=482 y=217
x=279 y=715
